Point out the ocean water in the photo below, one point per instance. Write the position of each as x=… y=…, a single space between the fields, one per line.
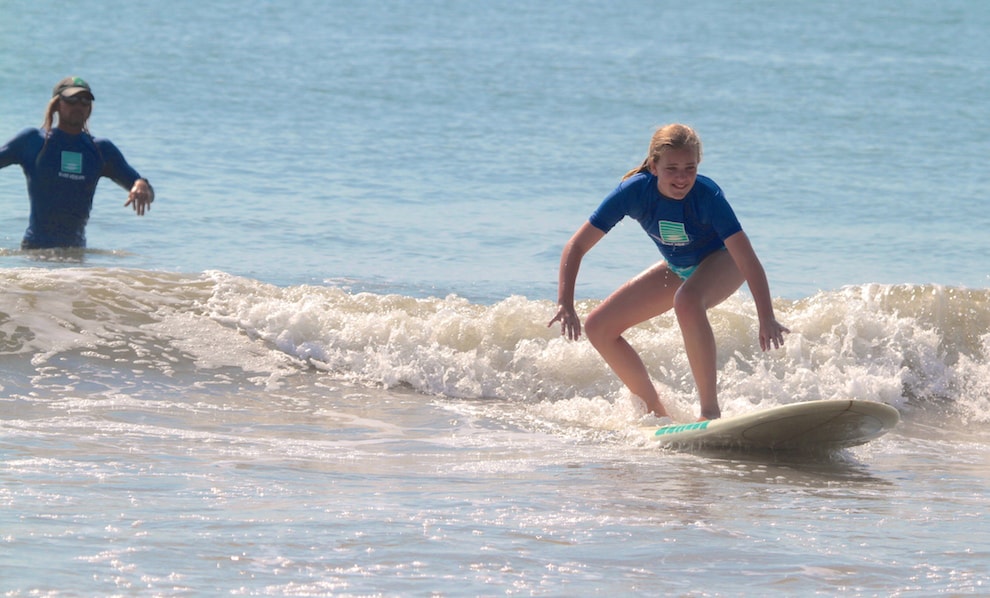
x=320 y=365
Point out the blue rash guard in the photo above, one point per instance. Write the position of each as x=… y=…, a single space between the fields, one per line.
x=61 y=181
x=686 y=231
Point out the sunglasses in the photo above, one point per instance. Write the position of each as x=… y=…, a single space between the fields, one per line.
x=76 y=99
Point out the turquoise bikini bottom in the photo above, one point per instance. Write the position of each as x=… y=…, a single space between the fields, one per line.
x=685 y=272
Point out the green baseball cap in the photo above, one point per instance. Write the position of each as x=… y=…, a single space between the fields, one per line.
x=71 y=86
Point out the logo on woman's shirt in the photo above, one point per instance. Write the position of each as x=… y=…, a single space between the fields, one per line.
x=72 y=166
x=72 y=162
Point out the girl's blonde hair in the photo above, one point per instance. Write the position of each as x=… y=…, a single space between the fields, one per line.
x=672 y=136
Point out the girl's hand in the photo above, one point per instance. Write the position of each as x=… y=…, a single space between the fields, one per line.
x=570 y=323
x=772 y=334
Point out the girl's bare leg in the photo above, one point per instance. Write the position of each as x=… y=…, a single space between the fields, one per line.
x=648 y=295
x=712 y=283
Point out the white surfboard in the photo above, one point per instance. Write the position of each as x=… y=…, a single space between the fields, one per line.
x=811 y=426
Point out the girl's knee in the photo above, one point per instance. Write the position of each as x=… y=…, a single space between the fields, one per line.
x=687 y=303
x=601 y=327
x=594 y=328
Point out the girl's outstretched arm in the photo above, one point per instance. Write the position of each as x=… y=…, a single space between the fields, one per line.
x=741 y=250
x=570 y=262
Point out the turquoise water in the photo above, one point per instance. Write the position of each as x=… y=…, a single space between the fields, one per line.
x=320 y=365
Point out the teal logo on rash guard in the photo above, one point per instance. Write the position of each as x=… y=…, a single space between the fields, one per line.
x=72 y=162
x=673 y=233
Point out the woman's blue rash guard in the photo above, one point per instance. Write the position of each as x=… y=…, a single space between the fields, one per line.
x=61 y=182
x=686 y=231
